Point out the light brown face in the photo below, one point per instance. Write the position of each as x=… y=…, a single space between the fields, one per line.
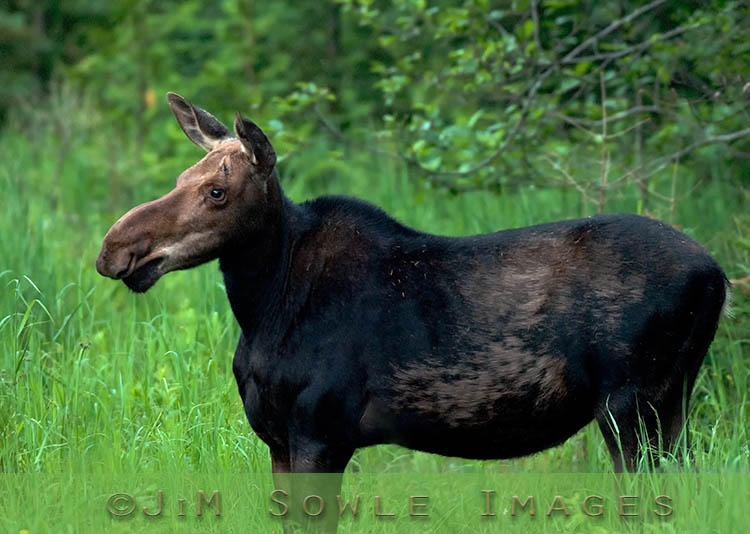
x=216 y=200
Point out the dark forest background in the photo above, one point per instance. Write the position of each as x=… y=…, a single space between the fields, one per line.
x=473 y=95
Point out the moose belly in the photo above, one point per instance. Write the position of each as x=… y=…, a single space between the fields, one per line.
x=503 y=410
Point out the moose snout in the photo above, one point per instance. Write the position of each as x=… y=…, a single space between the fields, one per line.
x=129 y=240
x=116 y=265
x=121 y=249
x=115 y=260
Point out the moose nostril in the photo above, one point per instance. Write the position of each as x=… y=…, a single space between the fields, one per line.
x=126 y=271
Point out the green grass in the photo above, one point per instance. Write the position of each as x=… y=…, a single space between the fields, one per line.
x=95 y=380
x=454 y=504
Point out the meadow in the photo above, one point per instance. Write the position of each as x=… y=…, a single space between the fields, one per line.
x=101 y=388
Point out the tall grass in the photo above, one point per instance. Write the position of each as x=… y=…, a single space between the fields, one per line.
x=98 y=380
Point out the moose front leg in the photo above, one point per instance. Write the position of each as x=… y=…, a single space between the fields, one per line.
x=283 y=490
x=313 y=484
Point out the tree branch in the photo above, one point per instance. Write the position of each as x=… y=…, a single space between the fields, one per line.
x=508 y=138
x=725 y=138
x=640 y=47
x=609 y=29
x=537 y=84
x=657 y=164
x=535 y=20
x=597 y=123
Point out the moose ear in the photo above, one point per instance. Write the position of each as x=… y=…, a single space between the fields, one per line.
x=199 y=125
x=255 y=144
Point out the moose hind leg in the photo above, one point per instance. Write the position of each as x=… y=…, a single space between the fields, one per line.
x=652 y=421
x=708 y=305
x=669 y=399
x=702 y=308
x=652 y=408
x=617 y=417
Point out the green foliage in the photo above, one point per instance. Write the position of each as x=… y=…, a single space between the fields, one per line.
x=472 y=95
x=373 y=99
x=473 y=90
x=36 y=38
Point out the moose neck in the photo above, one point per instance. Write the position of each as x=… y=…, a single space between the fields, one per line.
x=255 y=268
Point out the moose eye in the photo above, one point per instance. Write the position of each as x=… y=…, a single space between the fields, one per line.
x=217 y=193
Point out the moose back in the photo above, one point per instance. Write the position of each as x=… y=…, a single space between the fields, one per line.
x=357 y=330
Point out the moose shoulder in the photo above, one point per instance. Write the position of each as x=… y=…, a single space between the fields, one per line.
x=357 y=330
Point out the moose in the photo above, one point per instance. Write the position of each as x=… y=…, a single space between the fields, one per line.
x=358 y=330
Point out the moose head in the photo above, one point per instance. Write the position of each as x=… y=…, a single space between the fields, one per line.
x=225 y=198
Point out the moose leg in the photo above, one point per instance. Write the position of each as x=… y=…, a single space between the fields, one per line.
x=670 y=398
x=675 y=428
x=618 y=420
x=282 y=482
x=308 y=494
x=317 y=473
x=633 y=421
x=673 y=419
x=691 y=354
